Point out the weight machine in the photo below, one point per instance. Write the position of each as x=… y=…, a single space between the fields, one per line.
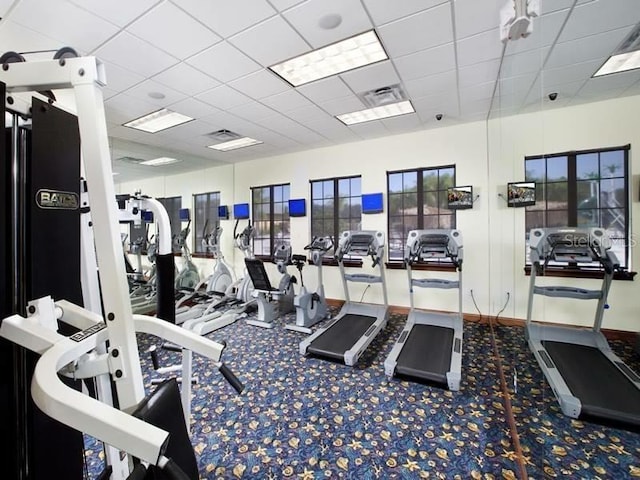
x=79 y=355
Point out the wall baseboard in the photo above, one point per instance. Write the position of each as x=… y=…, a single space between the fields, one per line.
x=630 y=337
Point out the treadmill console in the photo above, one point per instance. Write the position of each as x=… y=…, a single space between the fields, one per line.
x=571 y=245
x=362 y=243
x=424 y=246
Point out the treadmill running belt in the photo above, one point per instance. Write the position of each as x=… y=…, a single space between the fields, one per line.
x=341 y=336
x=605 y=393
x=426 y=354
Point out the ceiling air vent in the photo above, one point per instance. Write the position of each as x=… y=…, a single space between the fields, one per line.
x=383 y=96
x=223 y=135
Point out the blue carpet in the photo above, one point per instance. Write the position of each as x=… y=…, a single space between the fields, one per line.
x=307 y=418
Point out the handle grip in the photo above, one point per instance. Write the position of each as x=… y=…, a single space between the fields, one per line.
x=138 y=473
x=231 y=378
x=173 y=471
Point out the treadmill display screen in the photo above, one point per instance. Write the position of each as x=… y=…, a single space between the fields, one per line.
x=185 y=215
x=241 y=211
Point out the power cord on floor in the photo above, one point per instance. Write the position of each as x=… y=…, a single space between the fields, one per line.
x=476 y=305
x=365 y=291
x=502 y=310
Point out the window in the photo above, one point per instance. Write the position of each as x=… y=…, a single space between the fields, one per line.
x=418 y=199
x=270 y=208
x=336 y=206
x=173 y=205
x=206 y=215
x=582 y=189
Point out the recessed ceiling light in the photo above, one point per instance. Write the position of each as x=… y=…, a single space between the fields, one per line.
x=160 y=161
x=377 y=113
x=622 y=62
x=158 y=121
x=340 y=57
x=329 y=22
x=157 y=95
x=235 y=144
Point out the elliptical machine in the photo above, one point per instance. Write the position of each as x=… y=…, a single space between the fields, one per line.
x=188 y=277
x=221 y=278
x=311 y=307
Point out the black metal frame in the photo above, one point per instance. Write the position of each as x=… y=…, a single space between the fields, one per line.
x=211 y=198
x=272 y=238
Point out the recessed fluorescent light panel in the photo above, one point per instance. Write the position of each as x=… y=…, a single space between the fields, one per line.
x=621 y=62
x=345 y=55
x=160 y=161
x=235 y=144
x=377 y=113
x=158 y=121
x=626 y=57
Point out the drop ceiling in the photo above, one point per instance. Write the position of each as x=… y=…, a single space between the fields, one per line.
x=210 y=59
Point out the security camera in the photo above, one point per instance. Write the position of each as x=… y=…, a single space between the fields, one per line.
x=439 y=116
x=553 y=96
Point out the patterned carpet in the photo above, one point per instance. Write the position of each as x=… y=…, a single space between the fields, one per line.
x=556 y=445
x=307 y=418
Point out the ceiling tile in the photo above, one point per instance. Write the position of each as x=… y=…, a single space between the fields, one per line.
x=252 y=111
x=403 y=123
x=188 y=130
x=142 y=90
x=473 y=17
x=308 y=114
x=333 y=129
x=283 y=42
x=286 y=101
x=478 y=73
x=17 y=38
x=134 y=54
x=598 y=17
x=586 y=48
x=306 y=18
x=171 y=29
x=521 y=63
x=475 y=107
x=428 y=107
x=120 y=12
x=480 y=91
x=123 y=108
x=426 y=62
x=260 y=84
x=186 y=79
x=610 y=82
x=284 y=4
x=384 y=11
x=381 y=74
x=343 y=105
x=120 y=79
x=4 y=7
x=570 y=73
x=228 y=18
x=192 y=107
x=549 y=7
x=539 y=92
x=52 y=20
x=224 y=62
x=325 y=89
x=372 y=129
x=223 y=97
x=479 y=48
x=424 y=30
x=431 y=85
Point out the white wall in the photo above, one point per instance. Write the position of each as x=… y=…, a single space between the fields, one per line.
x=487 y=155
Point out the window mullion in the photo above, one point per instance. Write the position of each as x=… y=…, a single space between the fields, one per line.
x=572 y=191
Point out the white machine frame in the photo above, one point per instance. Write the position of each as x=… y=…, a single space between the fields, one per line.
x=85 y=76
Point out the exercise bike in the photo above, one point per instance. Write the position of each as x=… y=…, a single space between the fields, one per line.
x=272 y=302
x=311 y=307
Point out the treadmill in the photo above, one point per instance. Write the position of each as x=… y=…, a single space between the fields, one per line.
x=429 y=349
x=348 y=335
x=589 y=381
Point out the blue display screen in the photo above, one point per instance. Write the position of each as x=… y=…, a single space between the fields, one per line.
x=185 y=215
x=241 y=211
x=147 y=216
x=297 y=207
x=372 y=203
x=223 y=212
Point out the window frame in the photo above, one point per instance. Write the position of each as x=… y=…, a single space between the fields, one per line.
x=198 y=249
x=395 y=263
x=271 y=238
x=573 y=210
x=329 y=258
